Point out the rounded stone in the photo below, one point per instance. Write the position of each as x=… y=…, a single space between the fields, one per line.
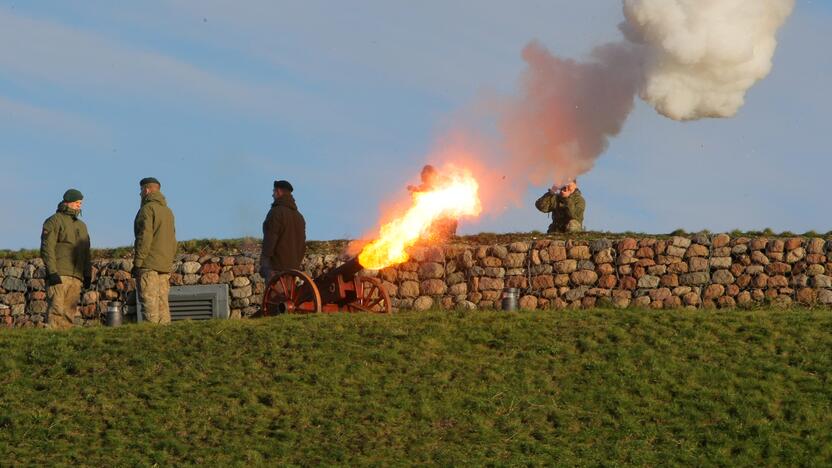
x=518 y=247
x=584 y=277
x=599 y=245
x=603 y=256
x=409 y=289
x=433 y=287
x=528 y=302
x=190 y=268
x=458 y=289
x=722 y=277
x=678 y=241
x=556 y=253
x=627 y=244
x=423 y=303
x=806 y=296
x=822 y=281
x=209 y=278
x=580 y=252
x=432 y=270
x=14 y=284
x=241 y=292
x=499 y=251
x=720 y=262
x=693 y=279
x=648 y=281
x=566 y=266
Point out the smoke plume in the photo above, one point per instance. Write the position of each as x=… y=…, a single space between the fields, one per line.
x=703 y=55
x=561 y=122
x=689 y=59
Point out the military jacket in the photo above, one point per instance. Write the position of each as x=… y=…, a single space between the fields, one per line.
x=65 y=245
x=563 y=209
x=155 y=231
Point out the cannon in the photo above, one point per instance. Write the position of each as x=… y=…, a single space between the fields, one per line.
x=341 y=289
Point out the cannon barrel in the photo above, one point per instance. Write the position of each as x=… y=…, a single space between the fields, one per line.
x=329 y=283
x=347 y=271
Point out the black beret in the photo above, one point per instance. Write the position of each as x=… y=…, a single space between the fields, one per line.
x=149 y=180
x=73 y=195
x=283 y=185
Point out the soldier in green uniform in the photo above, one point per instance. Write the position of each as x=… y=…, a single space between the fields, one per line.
x=566 y=205
x=65 y=249
x=154 y=251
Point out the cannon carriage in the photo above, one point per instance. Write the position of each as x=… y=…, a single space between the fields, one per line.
x=341 y=289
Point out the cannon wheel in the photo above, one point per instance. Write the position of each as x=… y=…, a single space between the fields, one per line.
x=372 y=296
x=293 y=292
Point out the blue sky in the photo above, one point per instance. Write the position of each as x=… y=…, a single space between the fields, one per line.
x=347 y=99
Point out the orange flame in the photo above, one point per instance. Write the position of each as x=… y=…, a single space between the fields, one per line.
x=455 y=196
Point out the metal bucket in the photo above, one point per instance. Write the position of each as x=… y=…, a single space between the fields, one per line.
x=114 y=315
x=510 y=296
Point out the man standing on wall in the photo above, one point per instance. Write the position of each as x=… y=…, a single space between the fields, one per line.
x=566 y=205
x=154 y=251
x=65 y=249
x=284 y=233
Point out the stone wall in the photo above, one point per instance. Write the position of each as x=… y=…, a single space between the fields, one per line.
x=696 y=271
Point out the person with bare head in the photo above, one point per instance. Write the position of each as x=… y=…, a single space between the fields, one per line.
x=566 y=204
x=154 y=251
x=65 y=249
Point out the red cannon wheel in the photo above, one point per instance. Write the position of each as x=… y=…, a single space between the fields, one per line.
x=371 y=296
x=291 y=292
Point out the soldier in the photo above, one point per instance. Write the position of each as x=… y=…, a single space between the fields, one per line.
x=154 y=251
x=65 y=249
x=284 y=233
x=566 y=205
x=442 y=228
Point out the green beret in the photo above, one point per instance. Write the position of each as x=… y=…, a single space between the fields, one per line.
x=149 y=180
x=73 y=195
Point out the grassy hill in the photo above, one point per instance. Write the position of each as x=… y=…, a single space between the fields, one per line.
x=623 y=387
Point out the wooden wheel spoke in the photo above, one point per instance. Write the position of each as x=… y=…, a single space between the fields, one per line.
x=292 y=291
x=358 y=306
x=371 y=296
x=284 y=287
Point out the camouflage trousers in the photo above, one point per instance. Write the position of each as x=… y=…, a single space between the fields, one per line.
x=572 y=226
x=63 y=302
x=154 y=288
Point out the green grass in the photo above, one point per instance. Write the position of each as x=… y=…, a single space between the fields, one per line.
x=599 y=387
